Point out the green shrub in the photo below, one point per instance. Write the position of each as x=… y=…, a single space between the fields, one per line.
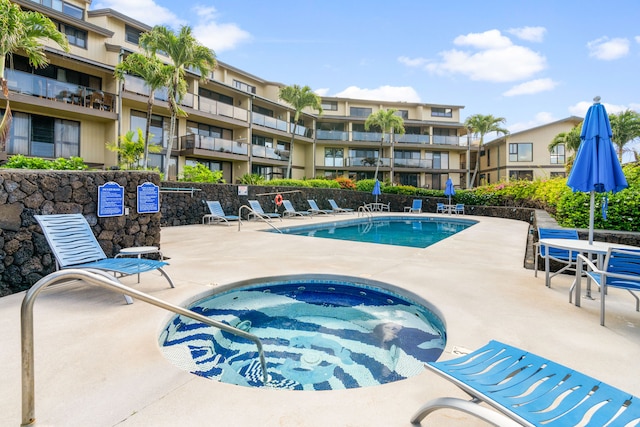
x=252 y=179
x=288 y=182
x=200 y=173
x=22 y=162
x=322 y=183
x=365 y=185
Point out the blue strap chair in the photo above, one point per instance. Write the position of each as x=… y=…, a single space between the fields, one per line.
x=216 y=214
x=441 y=208
x=416 y=206
x=563 y=256
x=290 y=211
x=621 y=270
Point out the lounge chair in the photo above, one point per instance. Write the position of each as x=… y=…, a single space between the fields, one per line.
x=314 y=209
x=459 y=209
x=621 y=270
x=529 y=390
x=563 y=256
x=338 y=209
x=290 y=211
x=258 y=212
x=441 y=208
x=416 y=206
x=74 y=246
x=216 y=214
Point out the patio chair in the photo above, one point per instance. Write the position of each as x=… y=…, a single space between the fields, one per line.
x=216 y=214
x=459 y=209
x=259 y=213
x=74 y=246
x=441 y=208
x=529 y=390
x=562 y=256
x=416 y=206
x=314 y=209
x=338 y=209
x=290 y=211
x=621 y=270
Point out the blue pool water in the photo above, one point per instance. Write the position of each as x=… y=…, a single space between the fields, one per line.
x=400 y=231
x=322 y=333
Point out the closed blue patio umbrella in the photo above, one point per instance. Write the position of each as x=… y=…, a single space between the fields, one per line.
x=449 y=190
x=596 y=168
x=376 y=190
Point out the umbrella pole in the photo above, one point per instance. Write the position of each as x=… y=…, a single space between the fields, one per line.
x=591 y=216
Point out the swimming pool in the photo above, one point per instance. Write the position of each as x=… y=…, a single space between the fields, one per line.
x=411 y=231
x=319 y=332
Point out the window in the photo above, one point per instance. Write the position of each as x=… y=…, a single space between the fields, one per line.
x=262 y=110
x=408 y=179
x=437 y=160
x=488 y=157
x=403 y=113
x=521 y=152
x=209 y=130
x=209 y=164
x=557 y=174
x=42 y=136
x=132 y=35
x=406 y=154
x=441 y=112
x=268 y=172
x=557 y=155
x=334 y=157
x=244 y=87
x=262 y=140
x=71 y=10
x=215 y=96
x=526 y=175
x=159 y=127
x=75 y=36
x=360 y=112
x=329 y=105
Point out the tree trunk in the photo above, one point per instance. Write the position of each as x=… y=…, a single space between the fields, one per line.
x=290 y=162
x=147 y=131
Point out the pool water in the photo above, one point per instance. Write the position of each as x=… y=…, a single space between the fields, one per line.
x=399 y=231
x=317 y=334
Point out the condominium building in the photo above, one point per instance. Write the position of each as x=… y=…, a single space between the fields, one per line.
x=235 y=121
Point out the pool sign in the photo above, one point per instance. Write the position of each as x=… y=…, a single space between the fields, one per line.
x=148 y=198
x=111 y=199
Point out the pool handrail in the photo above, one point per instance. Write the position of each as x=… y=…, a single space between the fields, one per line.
x=105 y=280
x=248 y=208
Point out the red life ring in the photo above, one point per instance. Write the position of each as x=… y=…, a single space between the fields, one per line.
x=278 y=199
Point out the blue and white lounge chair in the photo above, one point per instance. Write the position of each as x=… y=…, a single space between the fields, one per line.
x=258 y=212
x=621 y=270
x=562 y=256
x=529 y=390
x=289 y=210
x=314 y=209
x=216 y=214
x=416 y=206
x=459 y=209
x=441 y=208
x=338 y=209
x=74 y=246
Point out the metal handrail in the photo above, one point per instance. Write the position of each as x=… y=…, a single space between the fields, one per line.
x=104 y=280
x=257 y=215
x=365 y=210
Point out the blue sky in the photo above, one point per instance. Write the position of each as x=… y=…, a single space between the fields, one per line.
x=531 y=62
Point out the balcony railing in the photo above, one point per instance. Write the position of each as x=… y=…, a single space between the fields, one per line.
x=449 y=140
x=137 y=85
x=413 y=163
x=412 y=139
x=303 y=131
x=367 y=161
x=43 y=87
x=221 y=109
x=269 y=122
x=332 y=135
x=269 y=153
x=190 y=142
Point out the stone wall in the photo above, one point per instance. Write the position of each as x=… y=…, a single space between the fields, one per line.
x=25 y=256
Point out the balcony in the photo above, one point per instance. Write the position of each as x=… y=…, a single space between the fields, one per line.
x=269 y=122
x=269 y=153
x=43 y=87
x=332 y=135
x=200 y=142
x=367 y=162
x=303 y=131
x=137 y=85
x=211 y=106
x=450 y=140
x=412 y=139
x=413 y=163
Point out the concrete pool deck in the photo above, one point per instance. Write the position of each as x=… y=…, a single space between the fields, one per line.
x=97 y=360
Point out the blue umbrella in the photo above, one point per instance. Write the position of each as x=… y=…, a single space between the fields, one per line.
x=376 y=190
x=449 y=190
x=596 y=168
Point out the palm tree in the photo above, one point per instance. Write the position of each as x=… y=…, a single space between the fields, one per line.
x=184 y=51
x=571 y=141
x=388 y=122
x=482 y=125
x=625 y=127
x=131 y=149
x=299 y=98
x=23 y=31
x=155 y=74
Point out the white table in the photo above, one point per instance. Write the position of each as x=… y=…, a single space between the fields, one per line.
x=377 y=207
x=597 y=249
x=139 y=251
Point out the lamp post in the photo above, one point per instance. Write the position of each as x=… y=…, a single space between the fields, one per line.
x=468 y=158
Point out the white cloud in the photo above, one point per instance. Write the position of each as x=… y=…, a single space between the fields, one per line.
x=383 y=93
x=215 y=35
x=531 y=87
x=145 y=11
x=491 y=57
x=532 y=34
x=539 y=119
x=580 y=108
x=637 y=39
x=608 y=49
x=323 y=91
x=412 y=62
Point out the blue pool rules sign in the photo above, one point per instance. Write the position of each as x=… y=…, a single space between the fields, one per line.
x=111 y=199
x=148 y=198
